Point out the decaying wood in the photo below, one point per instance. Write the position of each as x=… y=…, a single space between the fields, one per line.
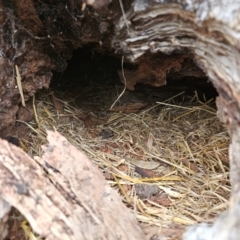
x=40 y=37
x=204 y=29
x=153 y=70
x=209 y=30
x=72 y=201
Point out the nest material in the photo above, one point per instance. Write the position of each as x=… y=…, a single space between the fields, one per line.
x=169 y=161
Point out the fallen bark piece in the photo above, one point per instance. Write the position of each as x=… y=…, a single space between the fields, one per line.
x=71 y=201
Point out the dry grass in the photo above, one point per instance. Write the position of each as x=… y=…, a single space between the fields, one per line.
x=183 y=146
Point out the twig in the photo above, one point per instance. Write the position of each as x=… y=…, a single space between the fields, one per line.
x=35 y=110
x=125 y=86
x=123 y=13
x=19 y=84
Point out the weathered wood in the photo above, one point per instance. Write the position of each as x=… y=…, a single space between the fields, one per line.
x=209 y=30
x=72 y=202
x=40 y=37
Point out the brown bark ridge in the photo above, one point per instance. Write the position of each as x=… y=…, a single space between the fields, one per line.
x=63 y=196
x=39 y=36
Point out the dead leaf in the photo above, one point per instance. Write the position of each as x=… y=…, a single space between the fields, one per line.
x=105 y=149
x=112 y=145
x=88 y=120
x=123 y=167
x=190 y=165
x=130 y=108
x=144 y=172
x=161 y=199
x=143 y=164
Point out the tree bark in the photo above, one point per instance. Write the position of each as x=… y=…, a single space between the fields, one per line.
x=69 y=200
x=39 y=36
x=209 y=31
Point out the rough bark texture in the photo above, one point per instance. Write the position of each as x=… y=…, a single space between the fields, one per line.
x=210 y=31
x=39 y=36
x=72 y=202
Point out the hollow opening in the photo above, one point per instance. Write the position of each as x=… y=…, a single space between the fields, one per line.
x=162 y=148
x=89 y=68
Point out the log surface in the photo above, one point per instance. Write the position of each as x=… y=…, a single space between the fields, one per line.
x=69 y=199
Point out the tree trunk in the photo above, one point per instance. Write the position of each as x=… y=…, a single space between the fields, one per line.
x=39 y=36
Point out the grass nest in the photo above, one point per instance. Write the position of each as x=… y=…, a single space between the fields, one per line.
x=168 y=159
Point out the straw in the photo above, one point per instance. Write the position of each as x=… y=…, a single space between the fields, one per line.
x=185 y=141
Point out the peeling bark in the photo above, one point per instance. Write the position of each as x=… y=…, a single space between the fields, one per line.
x=40 y=38
x=71 y=201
